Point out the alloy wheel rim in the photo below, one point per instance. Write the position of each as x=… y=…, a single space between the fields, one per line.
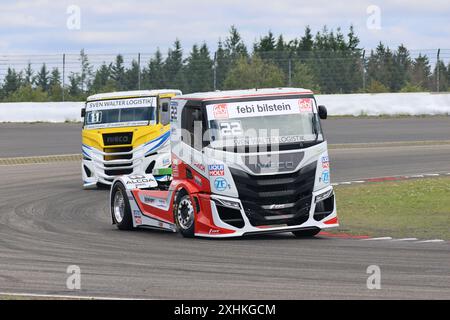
x=185 y=213
x=119 y=206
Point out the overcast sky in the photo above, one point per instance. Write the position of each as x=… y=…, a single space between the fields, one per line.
x=128 y=26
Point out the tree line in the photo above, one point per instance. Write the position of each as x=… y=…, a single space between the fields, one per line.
x=326 y=62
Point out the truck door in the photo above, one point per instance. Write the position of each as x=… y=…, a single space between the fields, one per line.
x=193 y=125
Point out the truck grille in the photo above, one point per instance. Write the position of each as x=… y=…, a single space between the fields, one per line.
x=276 y=199
x=115 y=172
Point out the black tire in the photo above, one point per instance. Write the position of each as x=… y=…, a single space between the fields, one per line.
x=184 y=215
x=308 y=233
x=122 y=221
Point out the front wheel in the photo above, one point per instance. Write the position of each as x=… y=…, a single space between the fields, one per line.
x=120 y=208
x=185 y=215
x=308 y=233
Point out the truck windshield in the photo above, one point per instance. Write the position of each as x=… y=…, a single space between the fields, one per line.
x=119 y=117
x=267 y=122
x=120 y=113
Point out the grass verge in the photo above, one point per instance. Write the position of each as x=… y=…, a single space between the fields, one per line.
x=417 y=208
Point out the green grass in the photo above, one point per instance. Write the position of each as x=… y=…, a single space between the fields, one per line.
x=411 y=208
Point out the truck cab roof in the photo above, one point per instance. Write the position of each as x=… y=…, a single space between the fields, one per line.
x=239 y=94
x=133 y=94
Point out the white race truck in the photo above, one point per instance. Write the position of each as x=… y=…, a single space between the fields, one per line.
x=243 y=162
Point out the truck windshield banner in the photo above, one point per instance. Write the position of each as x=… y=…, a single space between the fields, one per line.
x=260 y=108
x=121 y=103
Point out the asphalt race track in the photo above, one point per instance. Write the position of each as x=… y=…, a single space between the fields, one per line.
x=38 y=139
x=47 y=222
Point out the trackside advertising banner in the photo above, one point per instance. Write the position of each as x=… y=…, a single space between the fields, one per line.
x=121 y=103
x=260 y=108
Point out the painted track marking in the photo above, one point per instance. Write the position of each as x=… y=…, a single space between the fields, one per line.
x=431 y=241
x=56 y=296
x=377 y=239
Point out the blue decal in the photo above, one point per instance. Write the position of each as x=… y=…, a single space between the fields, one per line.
x=326 y=176
x=220 y=184
x=160 y=141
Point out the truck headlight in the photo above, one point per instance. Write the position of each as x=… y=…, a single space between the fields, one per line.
x=228 y=203
x=324 y=195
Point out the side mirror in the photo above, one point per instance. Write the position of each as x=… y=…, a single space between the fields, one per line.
x=323 y=113
x=83 y=112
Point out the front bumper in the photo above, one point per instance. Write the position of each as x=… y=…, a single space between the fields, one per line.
x=220 y=228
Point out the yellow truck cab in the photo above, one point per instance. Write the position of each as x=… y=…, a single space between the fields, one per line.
x=125 y=133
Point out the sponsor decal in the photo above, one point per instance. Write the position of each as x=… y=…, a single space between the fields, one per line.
x=139 y=180
x=200 y=166
x=149 y=200
x=161 y=203
x=325 y=162
x=121 y=103
x=221 y=111
x=326 y=176
x=173 y=111
x=220 y=184
x=216 y=170
x=245 y=141
x=137 y=216
x=117 y=125
x=213 y=231
x=278 y=206
x=305 y=105
x=175 y=171
x=259 y=108
x=263 y=108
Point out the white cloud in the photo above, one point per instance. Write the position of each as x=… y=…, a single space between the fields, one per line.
x=132 y=25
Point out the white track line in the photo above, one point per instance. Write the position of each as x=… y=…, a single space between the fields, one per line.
x=430 y=241
x=376 y=239
x=405 y=239
x=55 y=296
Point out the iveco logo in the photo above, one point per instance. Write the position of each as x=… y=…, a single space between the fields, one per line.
x=118 y=140
x=278 y=165
x=111 y=139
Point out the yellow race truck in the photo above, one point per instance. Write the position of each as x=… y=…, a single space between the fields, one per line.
x=125 y=133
